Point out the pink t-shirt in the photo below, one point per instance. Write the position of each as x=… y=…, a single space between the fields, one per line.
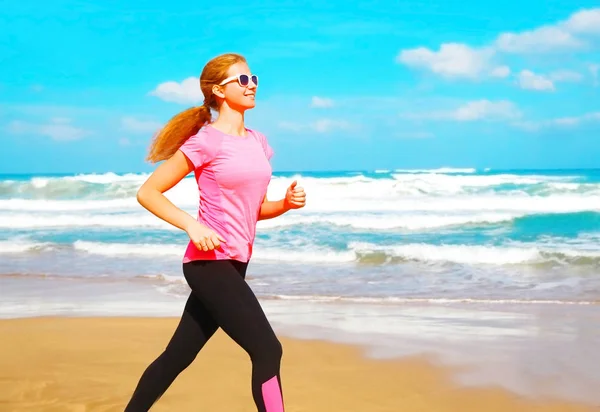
x=233 y=174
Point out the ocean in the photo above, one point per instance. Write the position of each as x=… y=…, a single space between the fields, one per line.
x=498 y=270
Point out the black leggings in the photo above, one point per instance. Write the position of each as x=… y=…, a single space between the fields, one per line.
x=220 y=298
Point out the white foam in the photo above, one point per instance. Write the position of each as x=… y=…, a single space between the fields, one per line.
x=128 y=249
x=442 y=193
x=328 y=202
x=314 y=255
x=433 y=301
x=469 y=254
x=305 y=254
x=103 y=192
x=388 y=220
x=266 y=251
x=457 y=184
x=21 y=246
x=39 y=220
x=106 y=178
x=439 y=170
x=143 y=219
x=330 y=199
x=430 y=191
x=66 y=205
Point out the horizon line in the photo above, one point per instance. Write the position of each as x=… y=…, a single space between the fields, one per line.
x=476 y=169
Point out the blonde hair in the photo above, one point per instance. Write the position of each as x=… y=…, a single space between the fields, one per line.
x=187 y=123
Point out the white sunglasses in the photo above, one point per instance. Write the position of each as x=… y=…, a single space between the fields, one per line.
x=242 y=79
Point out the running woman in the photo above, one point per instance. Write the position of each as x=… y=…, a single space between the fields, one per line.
x=231 y=165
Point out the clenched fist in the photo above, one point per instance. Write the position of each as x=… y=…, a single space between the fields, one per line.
x=295 y=198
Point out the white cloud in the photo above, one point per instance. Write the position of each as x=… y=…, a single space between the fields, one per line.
x=477 y=110
x=541 y=40
x=562 y=36
x=131 y=124
x=500 y=71
x=452 y=60
x=291 y=126
x=462 y=60
x=560 y=122
x=319 y=126
x=124 y=142
x=565 y=76
x=584 y=21
x=531 y=81
x=486 y=109
x=321 y=102
x=59 y=129
x=587 y=117
x=567 y=121
x=328 y=125
x=186 y=92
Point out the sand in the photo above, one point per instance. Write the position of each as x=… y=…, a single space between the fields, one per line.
x=93 y=364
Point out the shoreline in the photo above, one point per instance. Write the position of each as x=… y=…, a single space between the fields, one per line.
x=504 y=344
x=532 y=351
x=91 y=363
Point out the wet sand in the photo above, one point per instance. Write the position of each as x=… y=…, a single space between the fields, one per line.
x=93 y=364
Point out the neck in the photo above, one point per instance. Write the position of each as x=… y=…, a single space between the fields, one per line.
x=230 y=121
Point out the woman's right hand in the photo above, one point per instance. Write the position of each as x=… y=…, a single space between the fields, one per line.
x=203 y=237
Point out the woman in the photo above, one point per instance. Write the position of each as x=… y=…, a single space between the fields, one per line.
x=231 y=166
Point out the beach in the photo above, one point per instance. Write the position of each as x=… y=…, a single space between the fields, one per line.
x=432 y=290
x=93 y=364
x=421 y=227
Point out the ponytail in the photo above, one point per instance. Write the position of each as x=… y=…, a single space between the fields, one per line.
x=187 y=123
x=180 y=128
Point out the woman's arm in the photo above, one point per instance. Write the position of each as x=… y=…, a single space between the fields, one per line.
x=272 y=208
x=295 y=198
x=168 y=174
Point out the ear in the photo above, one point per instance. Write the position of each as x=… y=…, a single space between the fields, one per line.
x=218 y=91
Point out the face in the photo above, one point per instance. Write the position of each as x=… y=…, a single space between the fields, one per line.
x=236 y=95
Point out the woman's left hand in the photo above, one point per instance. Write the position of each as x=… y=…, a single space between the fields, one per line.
x=295 y=198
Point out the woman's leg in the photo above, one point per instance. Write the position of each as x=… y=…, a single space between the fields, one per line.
x=233 y=305
x=194 y=330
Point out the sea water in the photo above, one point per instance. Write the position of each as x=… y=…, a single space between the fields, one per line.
x=498 y=270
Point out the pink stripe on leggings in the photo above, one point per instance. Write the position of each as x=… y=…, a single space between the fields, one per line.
x=272 y=395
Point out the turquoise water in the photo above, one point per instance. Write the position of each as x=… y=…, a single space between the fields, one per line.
x=470 y=234
x=497 y=270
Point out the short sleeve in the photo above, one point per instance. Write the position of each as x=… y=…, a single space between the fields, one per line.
x=197 y=149
x=265 y=144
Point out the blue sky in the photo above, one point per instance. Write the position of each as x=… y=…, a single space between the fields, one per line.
x=344 y=85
